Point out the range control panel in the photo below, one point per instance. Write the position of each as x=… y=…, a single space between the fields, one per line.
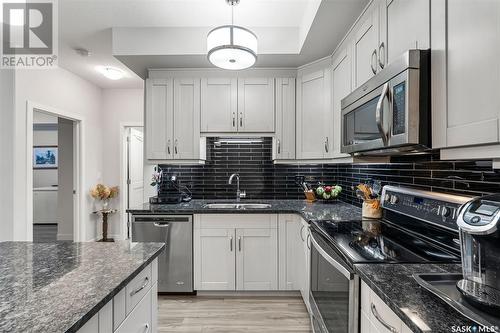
x=432 y=207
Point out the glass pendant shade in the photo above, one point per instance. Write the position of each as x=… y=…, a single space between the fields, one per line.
x=232 y=47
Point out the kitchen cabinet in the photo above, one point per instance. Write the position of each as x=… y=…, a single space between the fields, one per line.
x=132 y=309
x=219 y=104
x=404 y=25
x=314 y=116
x=173 y=119
x=376 y=316
x=256 y=105
x=284 y=139
x=366 y=45
x=465 y=46
x=341 y=87
x=235 y=252
x=305 y=270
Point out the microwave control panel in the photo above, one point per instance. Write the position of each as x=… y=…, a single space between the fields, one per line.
x=398 y=108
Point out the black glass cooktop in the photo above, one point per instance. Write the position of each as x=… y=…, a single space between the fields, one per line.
x=382 y=241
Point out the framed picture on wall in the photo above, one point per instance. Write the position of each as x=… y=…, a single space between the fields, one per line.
x=45 y=157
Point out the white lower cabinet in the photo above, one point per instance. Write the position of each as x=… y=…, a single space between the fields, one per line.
x=134 y=309
x=376 y=316
x=235 y=252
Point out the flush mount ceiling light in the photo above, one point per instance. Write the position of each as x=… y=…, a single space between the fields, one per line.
x=111 y=73
x=231 y=46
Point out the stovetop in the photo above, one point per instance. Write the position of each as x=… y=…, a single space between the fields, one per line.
x=381 y=241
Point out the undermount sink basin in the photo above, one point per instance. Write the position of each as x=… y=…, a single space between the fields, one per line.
x=237 y=206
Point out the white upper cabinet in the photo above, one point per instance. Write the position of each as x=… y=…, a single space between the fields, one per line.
x=314 y=116
x=159 y=115
x=466 y=76
x=219 y=105
x=404 y=25
x=366 y=45
x=256 y=105
x=186 y=139
x=341 y=87
x=284 y=140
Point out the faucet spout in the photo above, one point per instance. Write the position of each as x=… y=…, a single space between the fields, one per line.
x=239 y=194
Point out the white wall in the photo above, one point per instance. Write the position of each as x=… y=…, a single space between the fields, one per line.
x=119 y=107
x=60 y=89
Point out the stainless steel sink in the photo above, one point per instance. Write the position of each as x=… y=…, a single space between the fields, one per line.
x=237 y=206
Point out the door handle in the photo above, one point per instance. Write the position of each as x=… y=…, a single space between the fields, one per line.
x=379 y=116
x=161 y=225
x=231 y=243
x=234 y=119
x=374 y=69
x=377 y=316
x=241 y=119
x=327 y=145
x=301 y=235
x=239 y=244
x=175 y=146
x=279 y=146
x=168 y=146
x=135 y=291
x=381 y=61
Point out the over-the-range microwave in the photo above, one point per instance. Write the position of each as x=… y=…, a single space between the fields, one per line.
x=390 y=113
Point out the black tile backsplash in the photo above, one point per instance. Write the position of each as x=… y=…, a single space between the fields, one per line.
x=261 y=179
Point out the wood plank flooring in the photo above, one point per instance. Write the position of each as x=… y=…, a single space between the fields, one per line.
x=204 y=314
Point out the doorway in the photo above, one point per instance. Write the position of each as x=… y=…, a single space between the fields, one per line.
x=133 y=172
x=53 y=171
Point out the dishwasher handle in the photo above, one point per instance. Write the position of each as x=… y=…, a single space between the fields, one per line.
x=161 y=224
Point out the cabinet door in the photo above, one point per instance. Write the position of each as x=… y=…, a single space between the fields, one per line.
x=219 y=105
x=306 y=270
x=186 y=119
x=473 y=73
x=341 y=87
x=284 y=141
x=256 y=105
x=159 y=115
x=366 y=38
x=214 y=251
x=314 y=116
x=256 y=259
x=290 y=252
x=405 y=24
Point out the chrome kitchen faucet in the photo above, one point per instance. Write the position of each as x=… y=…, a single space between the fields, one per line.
x=239 y=194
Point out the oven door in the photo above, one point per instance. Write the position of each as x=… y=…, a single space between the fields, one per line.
x=334 y=290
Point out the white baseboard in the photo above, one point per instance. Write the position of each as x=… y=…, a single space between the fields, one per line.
x=231 y=293
x=64 y=237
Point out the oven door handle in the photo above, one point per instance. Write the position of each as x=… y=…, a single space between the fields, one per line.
x=349 y=275
x=379 y=114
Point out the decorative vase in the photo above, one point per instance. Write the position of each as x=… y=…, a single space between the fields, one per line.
x=105 y=204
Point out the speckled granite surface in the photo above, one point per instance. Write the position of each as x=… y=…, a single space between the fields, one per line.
x=57 y=287
x=336 y=210
x=395 y=285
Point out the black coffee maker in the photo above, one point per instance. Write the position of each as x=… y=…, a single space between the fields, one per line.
x=479 y=224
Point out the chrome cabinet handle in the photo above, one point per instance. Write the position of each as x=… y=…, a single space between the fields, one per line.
x=161 y=225
x=175 y=146
x=241 y=119
x=168 y=146
x=146 y=328
x=301 y=235
x=146 y=282
x=234 y=119
x=381 y=61
x=382 y=321
x=239 y=244
x=231 y=243
x=327 y=145
x=308 y=241
x=374 y=53
x=379 y=117
x=279 y=146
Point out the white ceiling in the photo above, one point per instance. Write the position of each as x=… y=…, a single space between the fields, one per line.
x=291 y=32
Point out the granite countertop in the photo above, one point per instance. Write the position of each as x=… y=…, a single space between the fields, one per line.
x=335 y=210
x=57 y=287
x=418 y=308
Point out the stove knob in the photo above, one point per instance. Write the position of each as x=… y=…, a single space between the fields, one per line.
x=446 y=211
x=394 y=199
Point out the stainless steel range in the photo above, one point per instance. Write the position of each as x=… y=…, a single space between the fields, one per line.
x=417 y=227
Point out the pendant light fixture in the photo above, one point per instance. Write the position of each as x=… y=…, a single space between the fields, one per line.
x=231 y=46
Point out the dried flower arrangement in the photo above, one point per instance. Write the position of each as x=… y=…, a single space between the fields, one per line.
x=103 y=192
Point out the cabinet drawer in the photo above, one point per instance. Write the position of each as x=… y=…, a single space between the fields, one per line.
x=140 y=320
x=248 y=221
x=137 y=288
x=381 y=314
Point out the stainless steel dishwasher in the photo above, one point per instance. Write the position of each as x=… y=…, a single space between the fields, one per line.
x=175 y=264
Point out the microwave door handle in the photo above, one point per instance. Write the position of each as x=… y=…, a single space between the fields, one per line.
x=379 y=114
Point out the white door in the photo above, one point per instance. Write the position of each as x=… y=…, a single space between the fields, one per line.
x=407 y=26
x=135 y=168
x=219 y=105
x=366 y=37
x=341 y=87
x=314 y=116
x=159 y=115
x=256 y=105
x=214 y=259
x=284 y=140
x=257 y=259
x=186 y=119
